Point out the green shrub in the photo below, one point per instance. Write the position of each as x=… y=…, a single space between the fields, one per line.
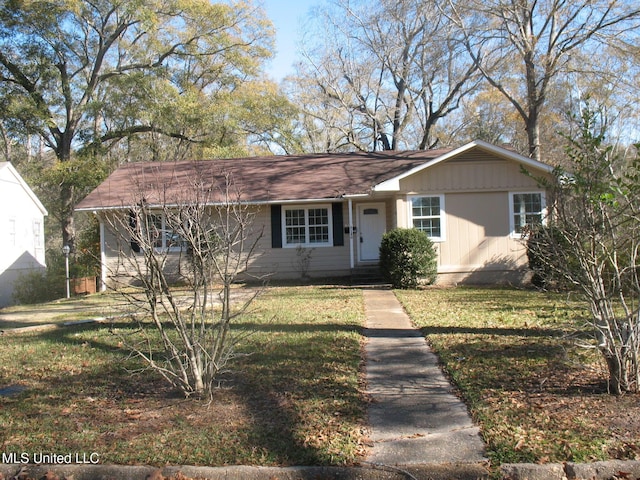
x=42 y=285
x=38 y=286
x=407 y=256
x=85 y=262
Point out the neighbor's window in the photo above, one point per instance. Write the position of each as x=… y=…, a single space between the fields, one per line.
x=527 y=210
x=427 y=214
x=37 y=234
x=307 y=226
x=12 y=232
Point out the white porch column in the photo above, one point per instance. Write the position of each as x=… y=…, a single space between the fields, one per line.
x=352 y=262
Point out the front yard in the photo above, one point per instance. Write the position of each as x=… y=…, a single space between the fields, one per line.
x=295 y=400
x=297 y=397
x=536 y=395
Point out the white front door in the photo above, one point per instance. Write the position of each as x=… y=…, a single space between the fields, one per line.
x=372 y=224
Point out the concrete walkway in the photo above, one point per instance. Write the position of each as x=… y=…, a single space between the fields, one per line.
x=414 y=416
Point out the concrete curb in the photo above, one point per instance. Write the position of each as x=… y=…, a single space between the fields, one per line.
x=609 y=470
x=364 y=472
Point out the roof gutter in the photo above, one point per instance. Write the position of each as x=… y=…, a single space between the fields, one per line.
x=215 y=204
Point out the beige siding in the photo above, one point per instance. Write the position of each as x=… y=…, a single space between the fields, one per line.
x=478 y=246
x=289 y=262
x=266 y=261
x=391 y=214
x=120 y=261
x=460 y=176
x=477 y=234
x=402 y=207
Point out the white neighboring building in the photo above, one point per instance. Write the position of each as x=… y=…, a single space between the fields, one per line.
x=22 y=243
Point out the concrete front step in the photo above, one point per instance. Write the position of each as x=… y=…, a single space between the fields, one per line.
x=369 y=275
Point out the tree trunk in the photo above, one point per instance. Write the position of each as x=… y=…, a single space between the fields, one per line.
x=615 y=374
x=67 y=192
x=67 y=221
x=430 y=120
x=397 y=113
x=533 y=136
x=535 y=98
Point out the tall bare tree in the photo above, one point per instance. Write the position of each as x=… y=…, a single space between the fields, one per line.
x=393 y=68
x=522 y=46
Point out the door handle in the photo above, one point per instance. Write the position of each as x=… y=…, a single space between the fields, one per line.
x=361 y=240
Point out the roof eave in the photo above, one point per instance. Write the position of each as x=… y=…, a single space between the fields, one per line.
x=30 y=193
x=96 y=209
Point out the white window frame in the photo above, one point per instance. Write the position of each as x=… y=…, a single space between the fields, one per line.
x=307 y=243
x=512 y=213
x=37 y=233
x=163 y=247
x=442 y=215
x=13 y=231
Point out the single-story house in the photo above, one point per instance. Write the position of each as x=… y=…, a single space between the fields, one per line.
x=22 y=247
x=473 y=201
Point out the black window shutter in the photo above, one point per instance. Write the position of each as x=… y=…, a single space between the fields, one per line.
x=338 y=224
x=133 y=225
x=276 y=226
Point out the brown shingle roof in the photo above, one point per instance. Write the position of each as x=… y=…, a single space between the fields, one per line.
x=260 y=179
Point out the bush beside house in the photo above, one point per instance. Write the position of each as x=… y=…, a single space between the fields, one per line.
x=407 y=257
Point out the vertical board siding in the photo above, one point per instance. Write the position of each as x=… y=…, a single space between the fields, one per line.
x=476 y=187
x=456 y=176
x=478 y=235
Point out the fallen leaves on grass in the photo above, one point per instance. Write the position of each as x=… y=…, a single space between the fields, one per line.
x=294 y=398
x=536 y=395
x=23 y=474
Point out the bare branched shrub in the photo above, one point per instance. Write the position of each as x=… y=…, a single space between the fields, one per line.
x=202 y=240
x=592 y=242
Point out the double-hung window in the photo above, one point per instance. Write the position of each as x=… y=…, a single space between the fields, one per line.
x=426 y=213
x=307 y=226
x=154 y=229
x=527 y=211
x=154 y=232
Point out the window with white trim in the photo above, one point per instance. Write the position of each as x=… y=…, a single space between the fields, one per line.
x=37 y=233
x=156 y=233
x=527 y=210
x=426 y=213
x=12 y=232
x=307 y=226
